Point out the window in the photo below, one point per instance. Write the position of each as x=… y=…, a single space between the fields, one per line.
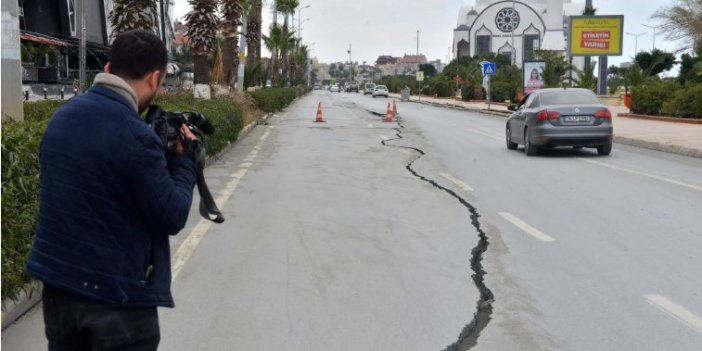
x=531 y=43
x=535 y=102
x=570 y=98
x=483 y=44
x=463 y=48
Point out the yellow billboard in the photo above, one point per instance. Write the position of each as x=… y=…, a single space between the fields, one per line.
x=595 y=35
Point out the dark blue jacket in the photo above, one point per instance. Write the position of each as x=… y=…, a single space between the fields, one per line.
x=109 y=200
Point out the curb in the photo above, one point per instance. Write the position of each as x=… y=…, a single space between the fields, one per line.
x=661 y=118
x=13 y=310
x=651 y=145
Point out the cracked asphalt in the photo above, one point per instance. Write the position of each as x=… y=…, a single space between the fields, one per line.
x=428 y=234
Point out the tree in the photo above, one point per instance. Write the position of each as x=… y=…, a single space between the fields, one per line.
x=556 y=68
x=428 y=69
x=682 y=21
x=232 y=11
x=202 y=30
x=133 y=14
x=586 y=78
x=690 y=69
x=253 y=38
x=655 y=62
x=287 y=8
x=275 y=42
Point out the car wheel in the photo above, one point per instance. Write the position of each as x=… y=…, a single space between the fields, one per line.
x=510 y=144
x=529 y=149
x=604 y=150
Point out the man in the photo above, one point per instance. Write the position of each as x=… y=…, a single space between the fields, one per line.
x=109 y=200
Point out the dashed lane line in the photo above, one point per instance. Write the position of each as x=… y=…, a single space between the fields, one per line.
x=678 y=312
x=526 y=227
x=643 y=174
x=457 y=181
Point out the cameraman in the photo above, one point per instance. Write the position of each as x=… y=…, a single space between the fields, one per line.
x=109 y=200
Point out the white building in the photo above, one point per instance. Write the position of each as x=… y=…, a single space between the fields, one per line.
x=513 y=27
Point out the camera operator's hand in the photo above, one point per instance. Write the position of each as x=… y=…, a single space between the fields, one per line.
x=188 y=134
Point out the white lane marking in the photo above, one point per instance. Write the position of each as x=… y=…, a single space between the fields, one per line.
x=676 y=311
x=526 y=227
x=491 y=132
x=188 y=246
x=649 y=175
x=486 y=134
x=457 y=181
x=384 y=138
x=370 y=125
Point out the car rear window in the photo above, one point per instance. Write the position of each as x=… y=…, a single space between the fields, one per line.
x=568 y=98
x=381 y=87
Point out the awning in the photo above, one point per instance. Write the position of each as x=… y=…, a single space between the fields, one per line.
x=43 y=40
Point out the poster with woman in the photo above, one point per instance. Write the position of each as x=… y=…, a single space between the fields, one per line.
x=533 y=75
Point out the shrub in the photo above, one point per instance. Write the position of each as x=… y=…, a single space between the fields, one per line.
x=275 y=99
x=686 y=102
x=502 y=91
x=648 y=98
x=444 y=88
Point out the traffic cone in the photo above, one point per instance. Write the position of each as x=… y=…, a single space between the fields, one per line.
x=388 y=115
x=319 y=118
x=394 y=108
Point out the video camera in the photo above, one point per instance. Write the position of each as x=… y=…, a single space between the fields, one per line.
x=167 y=126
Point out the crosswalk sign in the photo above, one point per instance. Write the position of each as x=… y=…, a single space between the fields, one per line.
x=488 y=68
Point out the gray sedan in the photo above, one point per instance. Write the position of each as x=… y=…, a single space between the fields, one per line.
x=560 y=117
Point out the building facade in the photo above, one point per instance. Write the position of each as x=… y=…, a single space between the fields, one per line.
x=513 y=28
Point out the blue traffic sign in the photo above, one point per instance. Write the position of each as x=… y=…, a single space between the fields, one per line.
x=488 y=68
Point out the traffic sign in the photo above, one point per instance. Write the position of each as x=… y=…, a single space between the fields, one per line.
x=488 y=68
x=420 y=76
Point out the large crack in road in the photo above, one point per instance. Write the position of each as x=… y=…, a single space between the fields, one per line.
x=468 y=337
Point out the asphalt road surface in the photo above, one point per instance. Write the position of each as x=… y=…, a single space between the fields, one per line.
x=428 y=234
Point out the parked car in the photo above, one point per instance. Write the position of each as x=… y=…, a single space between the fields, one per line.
x=369 y=89
x=560 y=117
x=352 y=87
x=334 y=89
x=380 y=90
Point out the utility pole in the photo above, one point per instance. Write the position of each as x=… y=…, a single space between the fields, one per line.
x=12 y=106
x=349 y=52
x=417 y=42
x=636 y=41
x=241 y=71
x=654 y=33
x=81 y=71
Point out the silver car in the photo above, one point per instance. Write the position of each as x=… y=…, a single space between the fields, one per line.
x=380 y=90
x=560 y=117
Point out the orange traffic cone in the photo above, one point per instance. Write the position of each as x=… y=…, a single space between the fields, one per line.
x=388 y=115
x=394 y=108
x=319 y=118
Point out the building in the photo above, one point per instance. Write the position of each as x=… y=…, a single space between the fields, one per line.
x=438 y=65
x=386 y=65
x=56 y=24
x=513 y=28
x=409 y=64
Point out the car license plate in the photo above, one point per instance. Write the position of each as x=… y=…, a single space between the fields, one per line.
x=577 y=119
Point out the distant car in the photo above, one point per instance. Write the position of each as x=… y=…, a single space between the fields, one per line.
x=369 y=89
x=560 y=117
x=352 y=87
x=380 y=90
x=334 y=89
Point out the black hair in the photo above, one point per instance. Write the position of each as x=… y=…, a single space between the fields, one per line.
x=135 y=53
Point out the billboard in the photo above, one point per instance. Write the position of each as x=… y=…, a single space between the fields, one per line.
x=595 y=35
x=533 y=73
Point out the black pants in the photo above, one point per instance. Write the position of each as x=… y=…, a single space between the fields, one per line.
x=75 y=323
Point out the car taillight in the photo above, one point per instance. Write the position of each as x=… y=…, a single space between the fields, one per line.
x=548 y=115
x=603 y=114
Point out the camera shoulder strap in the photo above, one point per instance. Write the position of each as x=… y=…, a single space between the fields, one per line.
x=208 y=207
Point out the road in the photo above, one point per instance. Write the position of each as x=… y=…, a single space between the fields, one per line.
x=356 y=234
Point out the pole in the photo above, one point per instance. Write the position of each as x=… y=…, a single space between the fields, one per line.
x=588 y=4
x=654 y=33
x=514 y=51
x=417 y=42
x=81 y=72
x=242 y=56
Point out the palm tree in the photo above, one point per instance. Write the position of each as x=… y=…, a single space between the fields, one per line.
x=202 y=30
x=273 y=42
x=232 y=10
x=287 y=8
x=253 y=37
x=133 y=14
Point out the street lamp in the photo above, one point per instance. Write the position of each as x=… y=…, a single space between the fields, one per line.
x=654 y=33
x=299 y=15
x=636 y=42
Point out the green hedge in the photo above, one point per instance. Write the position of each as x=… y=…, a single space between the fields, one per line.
x=686 y=102
x=276 y=99
x=648 y=98
x=20 y=172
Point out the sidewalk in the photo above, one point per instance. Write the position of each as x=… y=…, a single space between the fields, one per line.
x=678 y=138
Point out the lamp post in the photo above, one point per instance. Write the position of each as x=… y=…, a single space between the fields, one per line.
x=636 y=42
x=654 y=33
x=299 y=23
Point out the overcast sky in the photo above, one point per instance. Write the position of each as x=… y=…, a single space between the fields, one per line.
x=389 y=27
